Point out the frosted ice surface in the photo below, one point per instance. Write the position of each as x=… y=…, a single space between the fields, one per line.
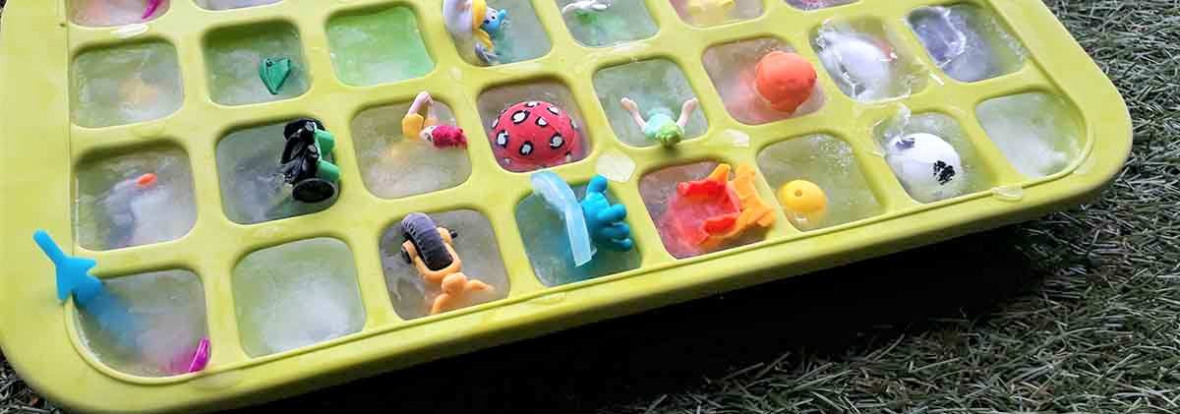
x=371 y=48
x=865 y=62
x=234 y=55
x=167 y=314
x=393 y=166
x=975 y=177
x=252 y=187
x=1038 y=133
x=658 y=188
x=233 y=4
x=731 y=67
x=548 y=248
x=125 y=84
x=830 y=164
x=817 y=4
x=476 y=247
x=741 y=10
x=615 y=166
x=111 y=211
x=296 y=294
x=656 y=84
x=966 y=42
x=99 y=13
x=621 y=21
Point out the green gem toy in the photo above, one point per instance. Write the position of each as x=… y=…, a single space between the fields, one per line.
x=274 y=72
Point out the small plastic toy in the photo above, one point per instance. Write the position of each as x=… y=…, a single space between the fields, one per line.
x=306 y=164
x=465 y=21
x=119 y=204
x=493 y=23
x=605 y=221
x=74 y=280
x=784 y=80
x=928 y=167
x=805 y=202
x=200 y=358
x=533 y=135
x=422 y=122
x=560 y=197
x=274 y=72
x=709 y=12
x=708 y=213
x=430 y=249
x=865 y=66
x=659 y=125
x=152 y=6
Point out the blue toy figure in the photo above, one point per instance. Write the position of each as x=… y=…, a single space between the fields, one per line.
x=603 y=220
x=74 y=279
x=493 y=23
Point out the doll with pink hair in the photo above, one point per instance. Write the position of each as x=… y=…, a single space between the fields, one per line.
x=422 y=122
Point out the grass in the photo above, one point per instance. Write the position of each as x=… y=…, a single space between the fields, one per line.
x=1077 y=312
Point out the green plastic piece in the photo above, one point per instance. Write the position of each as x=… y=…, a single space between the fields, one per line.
x=274 y=72
x=326 y=142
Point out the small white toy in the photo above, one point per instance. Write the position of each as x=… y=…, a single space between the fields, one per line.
x=928 y=167
x=859 y=63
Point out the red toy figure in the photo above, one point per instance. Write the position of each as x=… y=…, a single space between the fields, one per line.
x=533 y=135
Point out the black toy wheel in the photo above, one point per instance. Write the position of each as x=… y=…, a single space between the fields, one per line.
x=294 y=126
x=313 y=190
x=421 y=231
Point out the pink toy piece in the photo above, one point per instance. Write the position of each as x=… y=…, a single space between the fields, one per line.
x=447 y=136
x=200 y=358
x=533 y=135
x=152 y=6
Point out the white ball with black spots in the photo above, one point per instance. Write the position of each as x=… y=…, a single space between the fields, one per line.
x=928 y=167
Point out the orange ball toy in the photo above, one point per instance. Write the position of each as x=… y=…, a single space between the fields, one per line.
x=784 y=80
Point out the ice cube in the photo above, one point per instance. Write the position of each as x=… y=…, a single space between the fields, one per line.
x=656 y=85
x=125 y=84
x=828 y=163
x=549 y=251
x=659 y=191
x=863 y=61
x=477 y=249
x=296 y=294
x=99 y=13
x=394 y=166
x=135 y=199
x=967 y=173
x=607 y=22
x=510 y=153
x=233 y=4
x=966 y=42
x=714 y=12
x=817 y=4
x=1037 y=132
x=252 y=186
x=369 y=48
x=732 y=68
x=234 y=55
x=166 y=321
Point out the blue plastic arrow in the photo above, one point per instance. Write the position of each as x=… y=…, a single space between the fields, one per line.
x=73 y=273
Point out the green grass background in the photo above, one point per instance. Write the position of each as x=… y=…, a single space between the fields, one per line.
x=1077 y=312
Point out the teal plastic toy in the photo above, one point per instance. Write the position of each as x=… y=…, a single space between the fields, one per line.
x=560 y=197
x=274 y=73
x=605 y=221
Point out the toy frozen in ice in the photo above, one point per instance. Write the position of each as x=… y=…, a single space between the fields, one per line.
x=306 y=162
x=152 y=6
x=605 y=221
x=274 y=73
x=706 y=214
x=74 y=280
x=124 y=204
x=709 y=12
x=560 y=198
x=862 y=66
x=468 y=21
x=422 y=122
x=928 y=167
x=430 y=249
x=784 y=81
x=660 y=126
x=533 y=135
x=805 y=202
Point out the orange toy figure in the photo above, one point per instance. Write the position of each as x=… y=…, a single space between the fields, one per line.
x=431 y=250
x=784 y=80
x=710 y=212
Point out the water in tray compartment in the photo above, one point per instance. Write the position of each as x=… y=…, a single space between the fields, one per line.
x=252 y=186
x=99 y=13
x=477 y=249
x=967 y=42
x=618 y=22
x=125 y=84
x=733 y=69
x=655 y=85
x=548 y=246
x=828 y=163
x=134 y=199
x=372 y=47
x=234 y=55
x=712 y=12
x=233 y=4
x=1037 y=132
x=296 y=294
x=865 y=61
x=394 y=166
x=152 y=325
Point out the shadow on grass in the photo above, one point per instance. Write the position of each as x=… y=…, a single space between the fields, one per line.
x=676 y=348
